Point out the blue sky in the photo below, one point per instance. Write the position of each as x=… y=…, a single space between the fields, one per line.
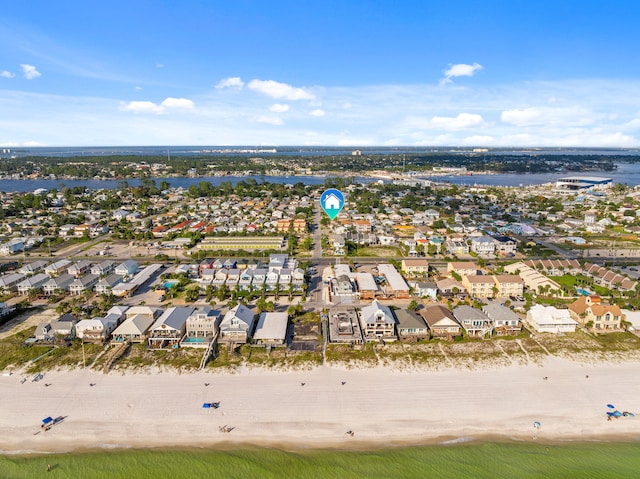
x=415 y=73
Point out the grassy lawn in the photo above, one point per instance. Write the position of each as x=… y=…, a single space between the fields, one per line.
x=342 y=353
x=139 y=357
x=569 y=281
x=15 y=353
x=258 y=357
x=225 y=358
x=379 y=251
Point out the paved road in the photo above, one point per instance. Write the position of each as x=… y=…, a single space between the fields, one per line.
x=317 y=232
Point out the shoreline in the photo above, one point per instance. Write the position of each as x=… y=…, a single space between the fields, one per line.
x=385 y=408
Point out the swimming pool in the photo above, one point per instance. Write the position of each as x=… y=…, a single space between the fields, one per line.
x=194 y=340
x=583 y=292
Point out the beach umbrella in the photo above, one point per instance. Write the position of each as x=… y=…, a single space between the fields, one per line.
x=617 y=413
x=611 y=406
x=536 y=425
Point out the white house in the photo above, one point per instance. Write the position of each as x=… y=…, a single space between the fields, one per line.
x=483 y=246
x=58 y=284
x=34 y=282
x=54 y=269
x=100 y=329
x=128 y=268
x=377 y=322
x=548 y=319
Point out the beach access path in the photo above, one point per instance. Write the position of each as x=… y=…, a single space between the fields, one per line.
x=381 y=406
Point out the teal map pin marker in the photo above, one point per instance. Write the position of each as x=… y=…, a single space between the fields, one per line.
x=332 y=202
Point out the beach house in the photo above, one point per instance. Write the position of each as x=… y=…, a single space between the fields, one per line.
x=271 y=329
x=590 y=310
x=201 y=327
x=505 y=322
x=344 y=326
x=169 y=328
x=549 y=319
x=441 y=322
x=237 y=325
x=98 y=330
x=136 y=325
x=475 y=323
x=411 y=326
x=378 y=323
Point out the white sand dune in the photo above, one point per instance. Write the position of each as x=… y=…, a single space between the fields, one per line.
x=381 y=406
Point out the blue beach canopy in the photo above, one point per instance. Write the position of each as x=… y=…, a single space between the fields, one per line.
x=47 y=420
x=611 y=406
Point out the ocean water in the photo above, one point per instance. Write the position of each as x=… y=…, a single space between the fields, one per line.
x=472 y=461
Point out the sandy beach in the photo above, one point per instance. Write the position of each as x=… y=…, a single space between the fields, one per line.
x=383 y=407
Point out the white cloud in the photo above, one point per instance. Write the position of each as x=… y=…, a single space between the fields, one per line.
x=24 y=144
x=276 y=89
x=177 y=103
x=270 y=120
x=7 y=74
x=587 y=113
x=235 y=83
x=460 y=70
x=158 y=109
x=317 y=112
x=462 y=121
x=279 y=108
x=143 y=107
x=528 y=116
x=478 y=140
x=355 y=141
x=138 y=88
x=568 y=116
x=159 y=65
x=29 y=71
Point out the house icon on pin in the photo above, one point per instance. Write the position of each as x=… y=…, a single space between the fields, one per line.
x=331 y=202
